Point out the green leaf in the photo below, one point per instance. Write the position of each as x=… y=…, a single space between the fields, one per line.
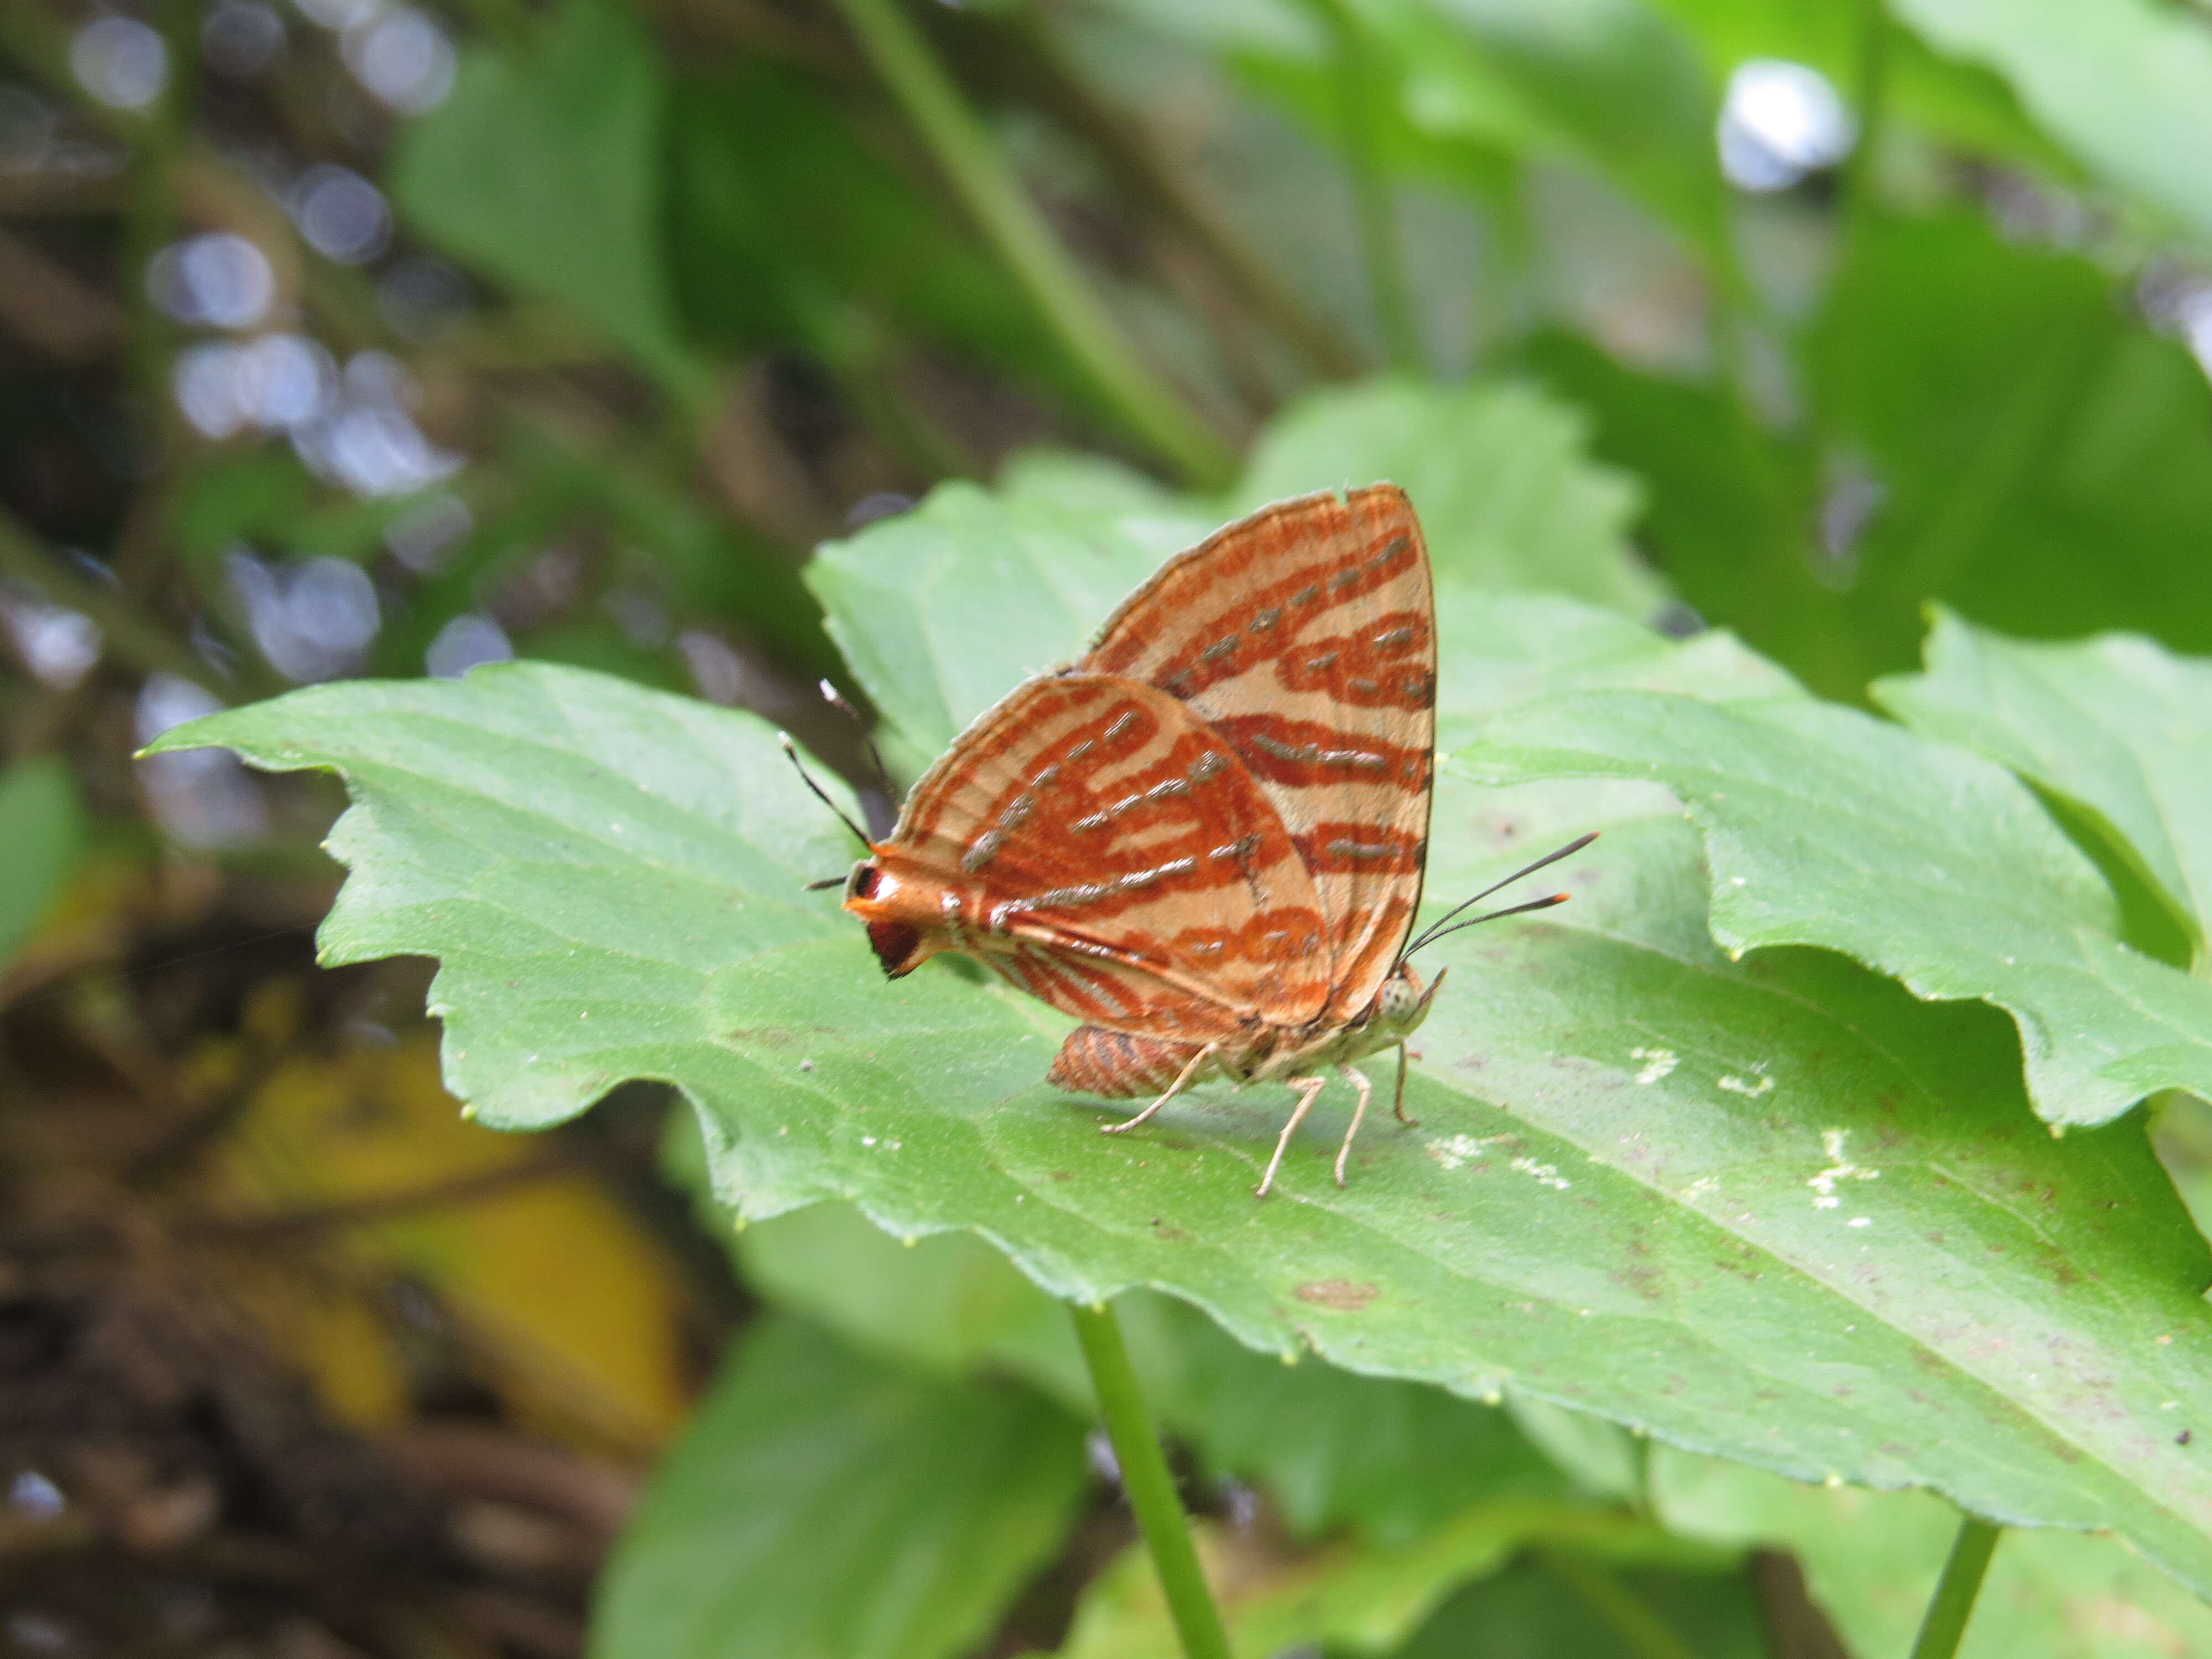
x=1730 y=504
x=2016 y=410
x=1609 y=84
x=1608 y=87
x=1354 y=1599
x=1824 y=826
x=2118 y=727
x=542 y=170
x=1871 y=1560
x=1388 y=1459
x=755 y=153
x=2127 y=85
x=1500 y=474
x=1548 y=1605
x=1614 y=1201
x=1993 y=411
x=822 y=1506
x=941 y=611
x=42 y=827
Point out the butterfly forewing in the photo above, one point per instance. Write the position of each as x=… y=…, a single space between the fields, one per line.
x=1305 y=637
x=1100 y=846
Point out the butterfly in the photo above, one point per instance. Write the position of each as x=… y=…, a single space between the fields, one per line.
x=1207 y=839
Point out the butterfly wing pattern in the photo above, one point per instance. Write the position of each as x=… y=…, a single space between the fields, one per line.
x=1099 y=847
x=1207 y=839
x=1305 y=636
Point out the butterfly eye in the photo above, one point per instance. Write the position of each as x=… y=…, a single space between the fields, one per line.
x=861 y=884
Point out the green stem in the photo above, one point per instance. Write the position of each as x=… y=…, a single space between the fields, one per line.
x=1357 y=92
x=1871 y=96
x=1145 y=1478
x=156 y=147
x=989 y=190
x=1953 y=1601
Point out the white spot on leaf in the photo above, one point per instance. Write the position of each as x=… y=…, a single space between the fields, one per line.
x=1547 y=1175
x=1460 y=1149
x=1839 y=1169
x=1657 y=1062
x=1752 y=1086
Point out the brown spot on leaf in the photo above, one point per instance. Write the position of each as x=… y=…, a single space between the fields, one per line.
x=1341 y=1294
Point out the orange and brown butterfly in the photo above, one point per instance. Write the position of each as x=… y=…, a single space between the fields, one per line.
x=1207 y=839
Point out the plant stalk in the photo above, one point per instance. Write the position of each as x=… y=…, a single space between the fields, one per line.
x=1952 y=1603
x=1871 y=95
x=1145 y=1478
x=1357 y=89
x=989 y=190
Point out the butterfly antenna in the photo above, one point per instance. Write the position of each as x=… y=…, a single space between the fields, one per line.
x=835 y=699
x=1544 y=903
x=822 y=795
x=1441 y=926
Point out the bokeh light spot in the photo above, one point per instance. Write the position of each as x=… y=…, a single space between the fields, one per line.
x=1779 y=121
x=119 y=61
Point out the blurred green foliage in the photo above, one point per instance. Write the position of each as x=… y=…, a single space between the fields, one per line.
x=729 y=349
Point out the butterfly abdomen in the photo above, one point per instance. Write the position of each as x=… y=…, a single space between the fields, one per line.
x=1095 y=1061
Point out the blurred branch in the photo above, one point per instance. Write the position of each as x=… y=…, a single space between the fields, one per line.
x=1011 y=222
x=156 y=148
x=126 y=628
x=50 y=308
x=1357 y=90
x=1138 y=164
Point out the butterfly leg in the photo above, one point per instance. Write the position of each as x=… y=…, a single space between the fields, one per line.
x=1182 y=1079
x=1398 y=1105
x=1358 y=1080
x=1308 y=1088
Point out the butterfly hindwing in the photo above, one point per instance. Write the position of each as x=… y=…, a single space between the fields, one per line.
x=1305 y=637
x=1100 y=846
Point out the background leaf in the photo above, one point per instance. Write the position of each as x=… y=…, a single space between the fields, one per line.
x=1963 y=415
x=41 y=824
x=2125 y=85
x=2120 y=728
x=538 y=139
x=1871 y=1561
x=826 y=1507
x=1387 y=1460
x=1543 y=1606
x=1354 y=1600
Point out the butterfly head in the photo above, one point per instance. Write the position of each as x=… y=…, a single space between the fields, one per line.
x=898 y=917
x=1403 y=1002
